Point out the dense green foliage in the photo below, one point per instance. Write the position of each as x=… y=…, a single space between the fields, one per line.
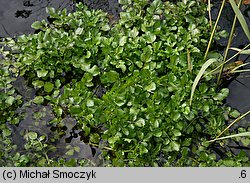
x=127 y=85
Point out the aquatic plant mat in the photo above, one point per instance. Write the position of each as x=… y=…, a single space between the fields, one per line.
x=88 y=89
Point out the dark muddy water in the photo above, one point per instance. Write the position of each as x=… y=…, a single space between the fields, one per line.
x=239 y=97
x=16 y=17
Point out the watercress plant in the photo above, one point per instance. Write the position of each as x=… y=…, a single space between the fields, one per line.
x=126 y=83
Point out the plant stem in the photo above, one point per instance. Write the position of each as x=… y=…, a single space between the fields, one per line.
x=235 y=121
x=213 y=31
x=228 y=46
x=96 y=145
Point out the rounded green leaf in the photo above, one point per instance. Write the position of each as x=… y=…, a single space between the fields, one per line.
x=158 y=133
x=222 y=95
x=48 y=87
x=109 y=77
x=94 y=70
x=70 y=152
x=76 y=109
x=123 y=40
x=105 y=27
x=38 y=100
x=143 y=149
x=41 y=73
x=176 y=116
x=140 y=122
x=151 y=87
x=10 y=100
x=90 y=103
x=94 y=137
x=37 y=25
x=234 y=113
x=38 y=84
x=58 y=110
x=174 y=146
x=176 y=133
x=58 y=83
x=32 y=135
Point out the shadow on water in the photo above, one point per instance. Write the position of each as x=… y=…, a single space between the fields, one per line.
x=16 y=17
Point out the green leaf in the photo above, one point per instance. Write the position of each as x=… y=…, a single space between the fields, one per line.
x=10 y=100
x=32 y=135
x=245 y=141
x=76 y=109
x=140 y=122
x=176 y=116
x=206 y=108
x=124 y=2
x=51 y=11
x=105 y=27
x=38 y=100
x=90 y=103
x=70 y=152
x=6 y=132
x=36 y=25
x=120 y=100
x=71 y=163
x=199 y=75
x=109 y=77
x=234 y=113
x=158 y=133
x=23 y=38
x=151 y=87
x=79 y=31
x=174 y=146
x=122 y=67
x=77 y=149
x=58 y=110
x=38 y=84
x=229 y=162
x=125 y=131
x=143 y=149
x=41 y=73
x=150 y=38
x=134 y=32
x=222 y=94
x=58 y=83
x=123 y=40
x=94 y=70
x=176 y=133
x=94 y=137
x=48 y=87
x=112 y=140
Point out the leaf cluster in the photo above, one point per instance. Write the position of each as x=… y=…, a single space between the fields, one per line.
x=127 y=84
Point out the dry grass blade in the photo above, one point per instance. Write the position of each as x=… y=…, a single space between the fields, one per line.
x=209 y=14
x=237 y=68
x=240 y=71
x=214 y=29
x=199 y=75
x=235 y=121
x=243 y=52
x=235 y=55
x=244 y=134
